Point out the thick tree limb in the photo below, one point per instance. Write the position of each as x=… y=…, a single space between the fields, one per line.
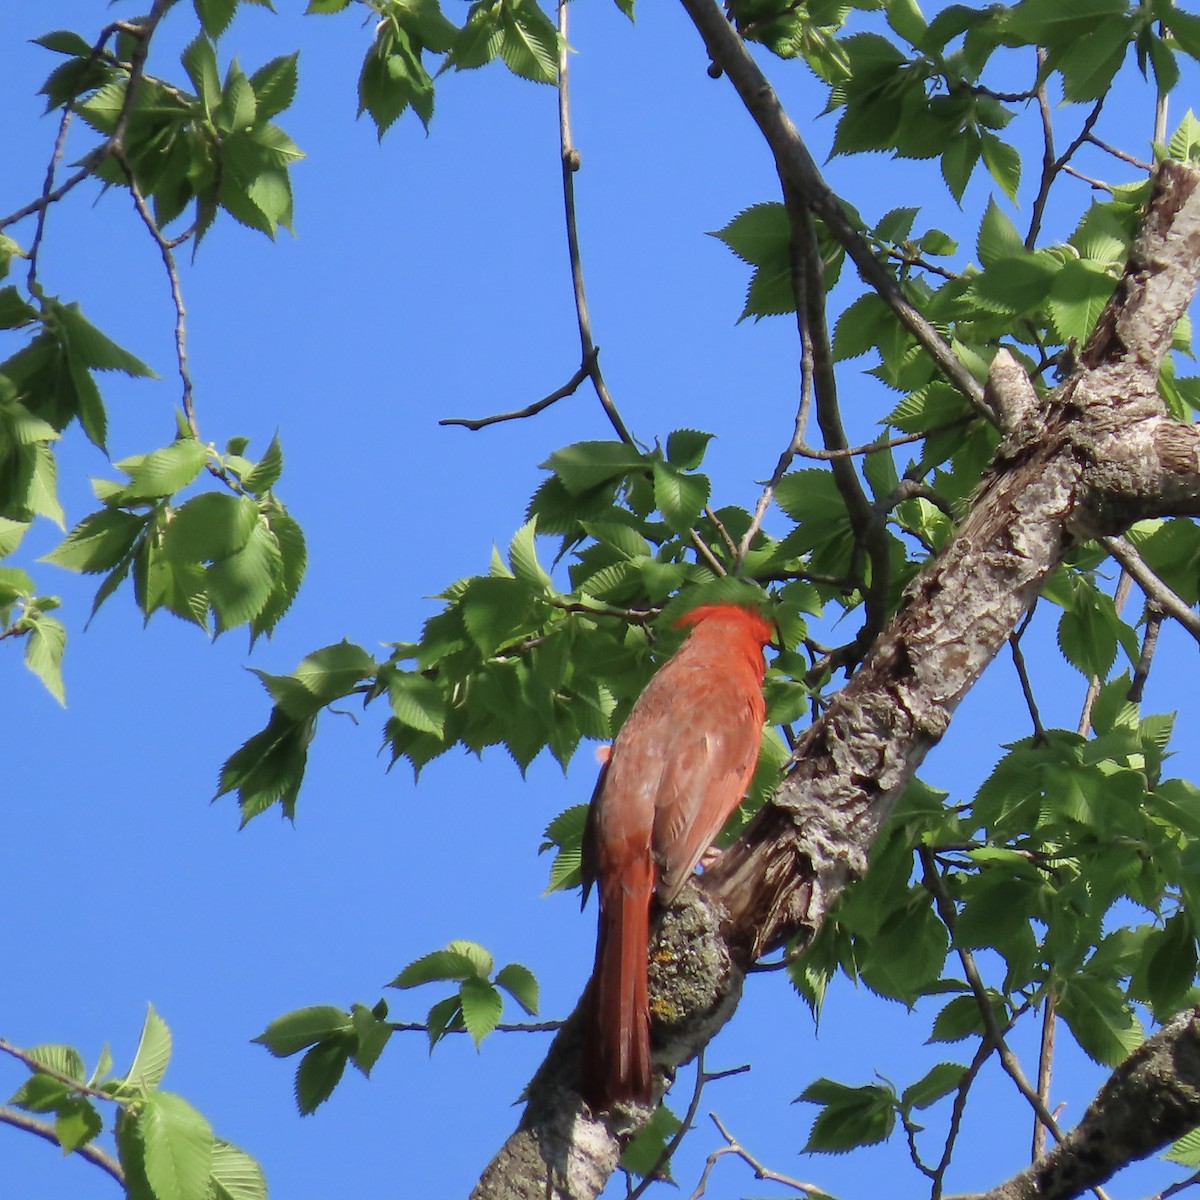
x=1093 y=456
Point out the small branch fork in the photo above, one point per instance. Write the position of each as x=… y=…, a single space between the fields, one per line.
x=44 y=1129
x=589 y=365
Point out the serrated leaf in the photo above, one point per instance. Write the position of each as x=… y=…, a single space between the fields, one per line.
x=178 y=1147
x=269 y=766
x=303 y=1027
x=523 y=559
x=565 y=835
x=850 y=1117
x=274 y=85
x=482 y=1006
x=417 y=702
x=163 y=472
x=98 y=542
x=240 y=586
x=686 y=448
x=585 y=465
x=938 y=1081
x=76 y=1123
x=521 y=984
x=210 y=526
x=1002 y=161
x=679 y=496
x=645 y=1153
x=235 y=1175
x=293 y=563
x=267 y=470
x=200 y=62
x=457 y=961
x=319 y=1072
x=372 y=1034
x=44 y=646
x=151 y=1057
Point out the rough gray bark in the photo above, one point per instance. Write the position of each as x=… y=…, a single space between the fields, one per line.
x=1088 y=459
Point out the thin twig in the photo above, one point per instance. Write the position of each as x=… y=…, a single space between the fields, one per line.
x=735 y=1147
x=1117 y=152
x=475 y=423
x=39 y=1068
x=1154 y=620
x=957 y=1110
x=1045 y=1068
x=503 y=1027
x=1169 y=601
x=1097 y=185
x=1014 y=643
x=1012 y=1067
x=905 y=439
x=570 y=164
x=685 y=1125
x=45 y=1130
x=1056 y=165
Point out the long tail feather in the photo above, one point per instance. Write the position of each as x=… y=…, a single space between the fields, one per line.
x=616 y=1054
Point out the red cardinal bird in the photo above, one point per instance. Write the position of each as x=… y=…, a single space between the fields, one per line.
x=678 y=768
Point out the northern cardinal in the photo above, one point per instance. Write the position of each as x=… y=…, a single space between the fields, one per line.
x=679 y=766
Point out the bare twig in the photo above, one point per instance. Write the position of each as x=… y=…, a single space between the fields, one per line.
x=1014 y=643
x=1156 y=590
x=570 y=164
x=1116 y=152
x=567 y=389
x=1154 y=620
x=905 y=439
x=1097 y=185
x=503 y=1027
x=1052 y=166
x=1045 y=1068
x=685 y=1125
x=733 y=1146
x=44 y=1130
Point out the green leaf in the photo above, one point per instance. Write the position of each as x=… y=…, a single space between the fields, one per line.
x=267 y=470
x=44 y=645
x=322 y=677
x=274 y=85
x=235 y=1175
x=240 y=585
x=151 y=1057
x=686 y=448
x=938 y=1081
x=1100 y=1018
x=459 y=960
x=482 y=1006
x=761 y=235
x=565 y=835
x=523 y=559
x=293 y=561
x=959 y=160
x=178 y=1146
x=586 y=465
x=529 y=41
x=319 y=1072
x=269 y=766
x=496 y=611
x=644 y=1153
x=1078 y=295
x=679 y=496
x=295 y=1031
x=521 y=984
x=76 y=1123
x=417 y=702
x=372 y=1034
x=200 y=62
x=215 y=15
x=98 y=542
x=163 y=472
x=1002 y=161
x=209 y=527
x=998 y=238
x=1088 y=631
x=849 y=1117
x=1051 y=22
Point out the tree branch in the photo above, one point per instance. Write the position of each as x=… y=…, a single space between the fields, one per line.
x=798 y=171
x=44 y=1130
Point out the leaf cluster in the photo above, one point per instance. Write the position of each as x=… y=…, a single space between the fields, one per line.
x=331 y=1037
x=166 y=1148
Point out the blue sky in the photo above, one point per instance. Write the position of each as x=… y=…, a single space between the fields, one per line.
x=428 y=278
